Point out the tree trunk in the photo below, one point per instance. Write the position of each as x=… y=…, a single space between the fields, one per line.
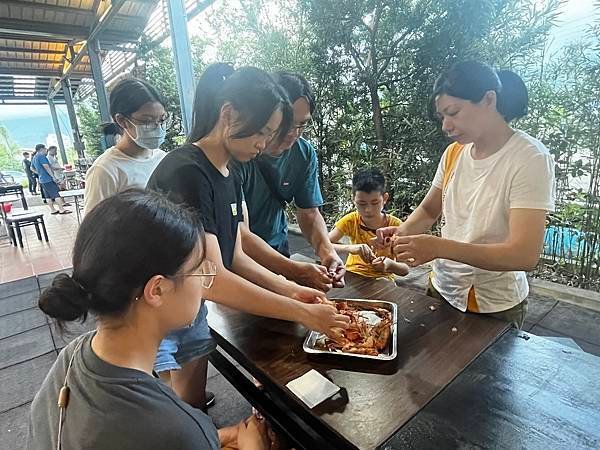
x=377 y=118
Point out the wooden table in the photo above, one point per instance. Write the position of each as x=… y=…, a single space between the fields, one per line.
x=76 y=194
x=523 y=392
x=376 y=399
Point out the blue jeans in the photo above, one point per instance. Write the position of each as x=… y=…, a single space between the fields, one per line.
x=184 y=345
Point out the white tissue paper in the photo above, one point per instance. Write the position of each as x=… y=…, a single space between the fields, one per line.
x=312 y=388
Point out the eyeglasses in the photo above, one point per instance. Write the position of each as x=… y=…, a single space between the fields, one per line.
x=306 y=126
x=207 y=271
x=151 y=125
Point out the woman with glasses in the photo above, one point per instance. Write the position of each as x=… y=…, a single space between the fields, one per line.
x=140 y=267
x=287 y=172
x=141 y=121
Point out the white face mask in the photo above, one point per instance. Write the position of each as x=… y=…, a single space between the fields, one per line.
x=148 y=139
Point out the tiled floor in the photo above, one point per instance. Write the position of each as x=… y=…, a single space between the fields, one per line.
x=38 y=257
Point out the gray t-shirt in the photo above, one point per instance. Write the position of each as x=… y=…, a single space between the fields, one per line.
x=113 y=407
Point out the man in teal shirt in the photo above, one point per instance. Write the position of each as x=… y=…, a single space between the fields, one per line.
x=287 y=173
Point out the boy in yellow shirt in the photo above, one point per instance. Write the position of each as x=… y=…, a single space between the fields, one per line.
x=370 y=196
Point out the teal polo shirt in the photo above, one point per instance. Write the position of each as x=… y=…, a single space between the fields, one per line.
x=293 y=174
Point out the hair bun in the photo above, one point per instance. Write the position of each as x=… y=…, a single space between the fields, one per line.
x=65 y=299
x=110 y=128
x=513 y=98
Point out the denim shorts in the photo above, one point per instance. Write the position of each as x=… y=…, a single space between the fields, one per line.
x=50 y=190
x=186 y=344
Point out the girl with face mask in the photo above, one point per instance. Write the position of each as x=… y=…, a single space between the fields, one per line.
x=141 y=120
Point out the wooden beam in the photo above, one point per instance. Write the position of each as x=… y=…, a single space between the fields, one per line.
x=24 y=28
x=32 y=61
x=31 y=50
x=89 y=13
x=29 y=38
x=94 y=34
x=37 y=72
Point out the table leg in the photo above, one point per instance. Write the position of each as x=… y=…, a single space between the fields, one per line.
x=23 y=200
x=19 y=235
x=44 y=229
x=77 y=210
x=36 y=224
x=11 y=234
x=4 y=219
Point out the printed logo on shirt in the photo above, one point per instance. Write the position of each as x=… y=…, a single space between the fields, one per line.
x=234 y=210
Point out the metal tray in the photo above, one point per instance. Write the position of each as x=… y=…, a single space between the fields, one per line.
x=387 y=355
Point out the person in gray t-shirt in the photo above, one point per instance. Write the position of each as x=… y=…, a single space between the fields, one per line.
x=139 y=266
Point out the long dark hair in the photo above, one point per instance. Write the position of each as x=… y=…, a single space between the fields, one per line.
x=252 y=92
x=470 y=80
x=122 y=243
x=126 y=97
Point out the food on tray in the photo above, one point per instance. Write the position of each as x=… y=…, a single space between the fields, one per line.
x=368 y=334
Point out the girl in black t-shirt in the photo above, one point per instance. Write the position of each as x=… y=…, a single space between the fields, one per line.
x=236 y=113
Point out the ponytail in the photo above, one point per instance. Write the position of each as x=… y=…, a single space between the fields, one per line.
x=206 y=101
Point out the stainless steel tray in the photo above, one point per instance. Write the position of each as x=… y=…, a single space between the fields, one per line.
x=388 y=354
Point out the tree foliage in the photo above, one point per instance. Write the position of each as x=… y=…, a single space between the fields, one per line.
x=372 y=63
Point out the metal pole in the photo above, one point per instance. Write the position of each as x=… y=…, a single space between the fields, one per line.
x=101 y=95
x=77 y=143
x=59 y=139
x=183 y=60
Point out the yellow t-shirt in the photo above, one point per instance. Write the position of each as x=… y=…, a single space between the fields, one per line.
x=351 y=225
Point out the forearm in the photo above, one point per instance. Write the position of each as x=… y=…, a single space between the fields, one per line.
x=315 y=231
x=343 y=248
x=247 y=268
x=397 y=268
x=418 y=222
x=265 y=255
x=503 y=257
x=234 y=291
x=49 y=170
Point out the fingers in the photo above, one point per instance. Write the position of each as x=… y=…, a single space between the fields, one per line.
x=342 y=321
x=340 y=272
x=336 y=334
x=321 y=268
x=383 y=233
x=324 y=287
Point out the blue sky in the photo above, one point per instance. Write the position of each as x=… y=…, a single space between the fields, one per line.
x=577 y=14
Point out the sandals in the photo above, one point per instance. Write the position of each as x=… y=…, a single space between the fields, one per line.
x=55 y=213
x=66 y=211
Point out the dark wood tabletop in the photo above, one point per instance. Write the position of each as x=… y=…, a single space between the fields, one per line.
x=525 y=391
x=377 y=398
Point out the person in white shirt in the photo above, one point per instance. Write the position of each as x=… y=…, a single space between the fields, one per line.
x=493 y=189
x=141 y=120
x=57 y=168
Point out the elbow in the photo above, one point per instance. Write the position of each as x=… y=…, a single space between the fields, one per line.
x=530 y=263
x=306 y=214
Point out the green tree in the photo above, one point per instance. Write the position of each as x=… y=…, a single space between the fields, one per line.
x=90 y=125
x=10 y=157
